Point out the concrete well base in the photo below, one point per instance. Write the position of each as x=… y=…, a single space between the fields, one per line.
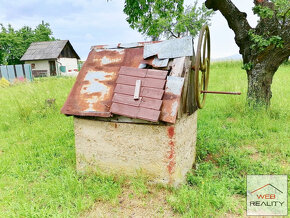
x=164 y=153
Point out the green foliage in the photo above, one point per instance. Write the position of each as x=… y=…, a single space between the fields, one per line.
x=247 y=66
x=159 y=18
x=282 y=9
x=263 y=12
x=263 y=41
x=274 y=9
x=14 y=43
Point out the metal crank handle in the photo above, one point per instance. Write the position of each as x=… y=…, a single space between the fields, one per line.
x=223 y=93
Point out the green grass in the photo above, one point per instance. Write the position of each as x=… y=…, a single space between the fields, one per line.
x=234 y=141
x=37 y=155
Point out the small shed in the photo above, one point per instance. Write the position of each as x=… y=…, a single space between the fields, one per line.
x=51 y=58
x=134 y=110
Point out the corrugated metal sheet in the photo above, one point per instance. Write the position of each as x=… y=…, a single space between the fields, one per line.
x=19 y=71
x=4 y=72
x=173 y=48
x=11 y=73
x=160 y=62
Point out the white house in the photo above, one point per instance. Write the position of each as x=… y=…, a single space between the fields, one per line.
x=52 y=58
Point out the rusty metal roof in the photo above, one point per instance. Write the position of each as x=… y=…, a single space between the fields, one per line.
x=93 y=91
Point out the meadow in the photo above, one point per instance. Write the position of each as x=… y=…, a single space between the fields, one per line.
x=37 y=154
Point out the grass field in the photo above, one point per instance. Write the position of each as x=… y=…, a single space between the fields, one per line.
x=37 y=156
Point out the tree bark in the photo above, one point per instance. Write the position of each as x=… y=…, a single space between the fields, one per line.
x=259 y=86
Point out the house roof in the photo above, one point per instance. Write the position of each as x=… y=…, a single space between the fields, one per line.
x=107 y=81
x=46 y=50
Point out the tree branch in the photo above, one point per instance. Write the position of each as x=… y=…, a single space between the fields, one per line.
x=172 y=34
x=236 y=19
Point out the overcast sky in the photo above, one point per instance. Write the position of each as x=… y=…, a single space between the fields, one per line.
x=92 y=22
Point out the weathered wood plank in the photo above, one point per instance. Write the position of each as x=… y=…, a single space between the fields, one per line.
x=183 y=101
x=178 y=67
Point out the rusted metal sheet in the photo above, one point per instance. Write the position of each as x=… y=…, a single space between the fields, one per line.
x=92 y=93
x=173 y=48
x=171 y=99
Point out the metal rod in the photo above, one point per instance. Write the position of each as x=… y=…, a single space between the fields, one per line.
x=225 y=93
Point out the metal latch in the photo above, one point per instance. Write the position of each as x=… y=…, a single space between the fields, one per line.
x=137 y=90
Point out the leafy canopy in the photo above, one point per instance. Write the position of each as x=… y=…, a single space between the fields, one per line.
x=277 y=12
x=166 y=18
x=14 y=43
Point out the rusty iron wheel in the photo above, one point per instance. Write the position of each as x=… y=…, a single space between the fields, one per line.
x=202 y=66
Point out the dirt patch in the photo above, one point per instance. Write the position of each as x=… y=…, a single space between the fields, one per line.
x=284 y=164
x=254 y=153
x=250 y=148
x=255 y=156
x=240 y=210
x=231 y=120
x=211 y=158
x=130 y=204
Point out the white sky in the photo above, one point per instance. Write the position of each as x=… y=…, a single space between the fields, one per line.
x=92 y=22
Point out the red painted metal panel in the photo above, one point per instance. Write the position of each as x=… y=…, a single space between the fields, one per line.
x=157 y=74
x=143 y=108
x=126 y=99
x=132 y=71
x=124 y=110
x=146 y=82
x=145 y=91
x=148 y=114
x=136 y=72
x=135 y=112
x=150 y=103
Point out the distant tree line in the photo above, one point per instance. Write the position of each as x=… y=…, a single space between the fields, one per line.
x=14 y=43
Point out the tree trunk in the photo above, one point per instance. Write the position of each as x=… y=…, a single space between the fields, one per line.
x=263 y=60
x=259 y=86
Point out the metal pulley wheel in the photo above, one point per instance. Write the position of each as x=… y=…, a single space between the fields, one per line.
x=202 y=66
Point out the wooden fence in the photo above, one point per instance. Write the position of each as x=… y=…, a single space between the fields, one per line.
x=16 y=72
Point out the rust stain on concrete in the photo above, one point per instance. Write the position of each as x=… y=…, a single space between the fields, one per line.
x=171 y=156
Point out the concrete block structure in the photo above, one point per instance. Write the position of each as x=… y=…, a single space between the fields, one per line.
x=134 y=111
